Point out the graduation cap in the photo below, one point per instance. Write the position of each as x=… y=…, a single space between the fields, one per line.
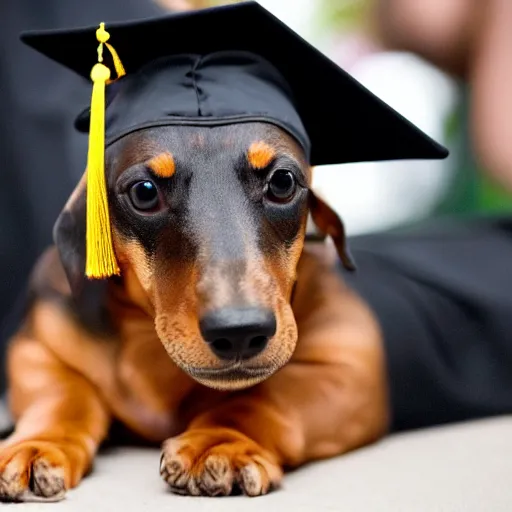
x=223 y=65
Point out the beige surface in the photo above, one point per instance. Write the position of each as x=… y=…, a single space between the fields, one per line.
x=462 y=468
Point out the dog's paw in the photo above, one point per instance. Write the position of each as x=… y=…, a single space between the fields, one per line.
x=218 y=462
x=33 y=471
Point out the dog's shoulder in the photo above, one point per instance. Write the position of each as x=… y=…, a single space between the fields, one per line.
x=329 y=314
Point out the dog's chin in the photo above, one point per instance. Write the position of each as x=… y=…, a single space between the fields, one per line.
x=232 y=378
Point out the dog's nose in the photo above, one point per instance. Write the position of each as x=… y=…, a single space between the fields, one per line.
x=238 y=333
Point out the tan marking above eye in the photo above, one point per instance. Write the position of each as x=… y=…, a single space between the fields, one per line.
x=260 y=155
x=163 y=165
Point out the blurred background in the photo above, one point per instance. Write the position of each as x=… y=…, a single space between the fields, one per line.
x=446 y=65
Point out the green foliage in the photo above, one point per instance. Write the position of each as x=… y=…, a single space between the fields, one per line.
x=343 y=14
x=493 y=198
x=471 y=191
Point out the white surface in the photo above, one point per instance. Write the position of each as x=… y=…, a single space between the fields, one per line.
x=462 y=468
x=297 y=14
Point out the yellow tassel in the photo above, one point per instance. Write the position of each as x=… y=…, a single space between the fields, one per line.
x=101 y=260
x=117 y=61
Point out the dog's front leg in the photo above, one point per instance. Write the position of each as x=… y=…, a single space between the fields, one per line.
x=330 y=399
x=60 y=422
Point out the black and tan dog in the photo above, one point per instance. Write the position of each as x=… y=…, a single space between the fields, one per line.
x=209 y=230
x=225 y=337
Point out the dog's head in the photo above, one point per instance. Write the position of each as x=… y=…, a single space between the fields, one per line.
x=208 y=224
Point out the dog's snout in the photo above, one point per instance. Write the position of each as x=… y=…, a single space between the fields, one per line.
x=238 y=333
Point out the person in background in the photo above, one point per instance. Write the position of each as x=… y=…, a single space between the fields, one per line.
x=442 y=289
x=472 y=41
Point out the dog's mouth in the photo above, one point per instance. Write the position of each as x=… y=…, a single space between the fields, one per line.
x=234 y=376
x=236 y=370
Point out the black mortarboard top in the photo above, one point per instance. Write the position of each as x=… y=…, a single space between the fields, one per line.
x=224 y=65
x=236 y=63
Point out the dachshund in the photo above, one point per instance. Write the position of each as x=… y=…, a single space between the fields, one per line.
x=229 y=338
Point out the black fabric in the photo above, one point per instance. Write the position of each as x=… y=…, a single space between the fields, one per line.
x=344 y=121
x=41 y=156
x=443 y=295
x=197 y=86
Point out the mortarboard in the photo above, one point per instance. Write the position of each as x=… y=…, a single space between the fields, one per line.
x=222 y=65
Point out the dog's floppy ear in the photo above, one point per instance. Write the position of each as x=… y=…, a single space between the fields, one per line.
x=329 y=223
x=69 y=237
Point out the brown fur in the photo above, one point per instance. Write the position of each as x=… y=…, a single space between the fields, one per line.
x=260 y=155
x=163 y=165
x=66 y=384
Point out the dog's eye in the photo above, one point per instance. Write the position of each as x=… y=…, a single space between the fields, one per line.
x=144 y=195
x=282 y=186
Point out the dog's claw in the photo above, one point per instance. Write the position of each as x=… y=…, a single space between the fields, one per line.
x=32 y=472
x=217 y=462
